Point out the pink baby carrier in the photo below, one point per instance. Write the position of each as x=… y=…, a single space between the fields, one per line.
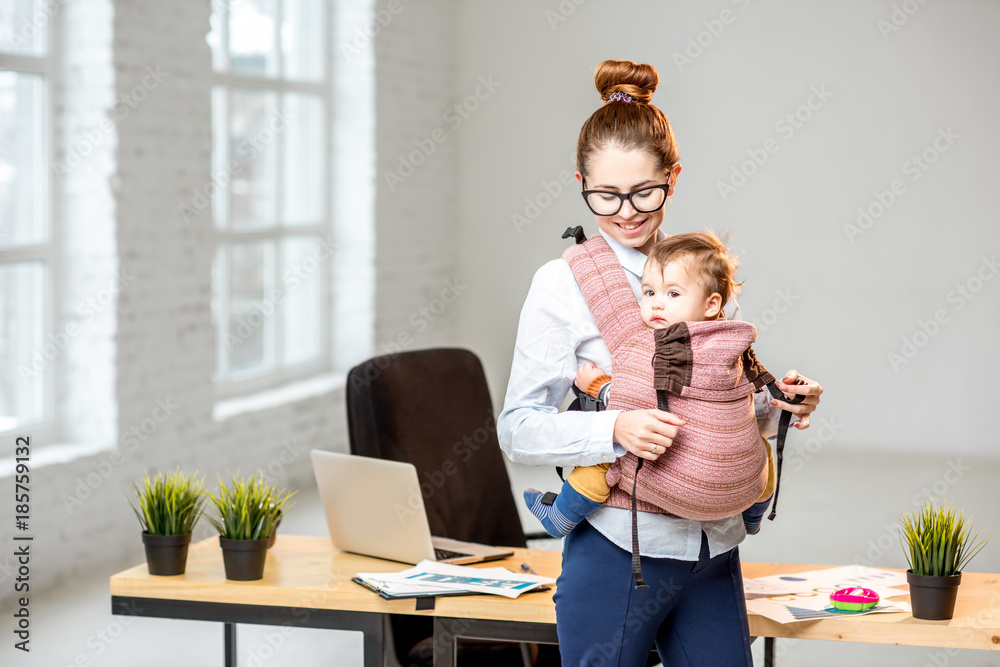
x=717 y=465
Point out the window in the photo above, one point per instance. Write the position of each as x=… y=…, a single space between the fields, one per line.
x=27 y=346
x=270 y=167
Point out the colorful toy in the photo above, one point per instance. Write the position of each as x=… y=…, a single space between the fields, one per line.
x=854 y=599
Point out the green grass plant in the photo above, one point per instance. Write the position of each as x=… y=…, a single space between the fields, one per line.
x=937 y=540
x=169 y=504
x=248 y=508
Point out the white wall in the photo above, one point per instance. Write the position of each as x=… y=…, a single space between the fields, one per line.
x=848 y=302
x=416 y=176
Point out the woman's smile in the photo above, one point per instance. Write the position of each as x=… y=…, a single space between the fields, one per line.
x=631 y=228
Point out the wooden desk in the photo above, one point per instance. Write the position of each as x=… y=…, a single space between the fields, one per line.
x=307 y=584
x=976 y=623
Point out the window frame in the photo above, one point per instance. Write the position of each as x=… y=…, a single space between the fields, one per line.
x=225 y=237
x=43 y=430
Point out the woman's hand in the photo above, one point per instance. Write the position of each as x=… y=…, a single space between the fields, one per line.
x=587 y=374
x=646 y=433
x=810 y=389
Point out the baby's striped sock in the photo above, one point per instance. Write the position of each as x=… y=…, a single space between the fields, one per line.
x=561 y=515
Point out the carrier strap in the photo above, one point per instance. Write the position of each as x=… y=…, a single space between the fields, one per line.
x=583 y=400
x=576 y=233
x=636 y=565
x=783 y=422
x=640 y=582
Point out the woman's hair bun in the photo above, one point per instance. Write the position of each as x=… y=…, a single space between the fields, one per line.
x=625 y=76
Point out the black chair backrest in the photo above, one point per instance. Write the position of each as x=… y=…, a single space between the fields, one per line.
x=432 y=408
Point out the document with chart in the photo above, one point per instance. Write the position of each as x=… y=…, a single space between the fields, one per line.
x=431 y=578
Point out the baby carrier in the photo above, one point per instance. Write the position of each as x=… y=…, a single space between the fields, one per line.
x=707 y=371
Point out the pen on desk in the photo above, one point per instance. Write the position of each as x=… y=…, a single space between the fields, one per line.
x=526 y=568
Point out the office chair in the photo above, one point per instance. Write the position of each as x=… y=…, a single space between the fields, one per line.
x=432 y=408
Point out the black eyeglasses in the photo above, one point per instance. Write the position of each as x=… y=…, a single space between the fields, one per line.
x=643 y=200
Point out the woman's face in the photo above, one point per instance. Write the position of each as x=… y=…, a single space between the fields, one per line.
x=624 y=171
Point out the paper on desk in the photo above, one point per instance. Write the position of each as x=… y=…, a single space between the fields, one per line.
x=393 y=588
x=806 y=595
x=836 y=577
x=812 y=606
x=434 y=577
x=755 y=588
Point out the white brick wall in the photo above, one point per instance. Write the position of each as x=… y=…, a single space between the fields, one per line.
x=87 y=270
x=141 y=377
x=418 y=222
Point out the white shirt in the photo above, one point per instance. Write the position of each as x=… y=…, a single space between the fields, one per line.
x=556 y=334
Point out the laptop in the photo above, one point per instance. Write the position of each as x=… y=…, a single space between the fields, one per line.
x=374 y=507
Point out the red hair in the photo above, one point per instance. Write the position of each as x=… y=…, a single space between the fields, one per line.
x=627 y=125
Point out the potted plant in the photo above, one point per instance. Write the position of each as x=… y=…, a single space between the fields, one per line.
x=938 y=544
x=169 y=507
x=248 y=509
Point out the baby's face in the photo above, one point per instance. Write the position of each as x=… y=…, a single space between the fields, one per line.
x=671 y=296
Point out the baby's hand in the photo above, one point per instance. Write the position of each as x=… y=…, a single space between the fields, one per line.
x=586 y=374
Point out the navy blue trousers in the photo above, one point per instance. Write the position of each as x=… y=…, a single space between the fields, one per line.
x=694 y=612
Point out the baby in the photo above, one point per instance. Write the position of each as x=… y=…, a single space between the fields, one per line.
x=687 y=278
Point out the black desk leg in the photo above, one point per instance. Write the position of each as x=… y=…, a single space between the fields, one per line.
x=229 y=632
x=768 y=651
x=373 y=630
x=370 y=625
x=445 y=640
x=448 y=630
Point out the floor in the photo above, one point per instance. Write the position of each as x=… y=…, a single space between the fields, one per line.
x=851 y=520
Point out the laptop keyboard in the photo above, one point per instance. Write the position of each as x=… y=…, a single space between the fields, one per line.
x=442 y=554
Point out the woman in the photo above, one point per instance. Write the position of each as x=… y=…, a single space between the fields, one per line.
x=694 y=609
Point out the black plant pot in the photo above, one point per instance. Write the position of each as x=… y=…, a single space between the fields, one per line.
x=274 y=533
x=933 y=598
x=166 y=555
x=243 y=559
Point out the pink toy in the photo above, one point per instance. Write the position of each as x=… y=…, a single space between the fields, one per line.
x=854 y=599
